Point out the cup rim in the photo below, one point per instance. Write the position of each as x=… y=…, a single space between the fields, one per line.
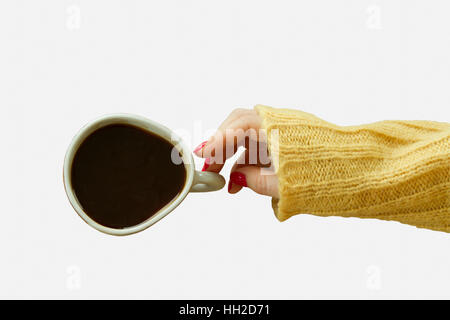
x=142 y=123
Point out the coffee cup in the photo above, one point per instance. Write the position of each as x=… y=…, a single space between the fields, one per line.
x=195 y=181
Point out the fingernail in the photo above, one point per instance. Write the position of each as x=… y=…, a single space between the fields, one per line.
x=238 y=178
x=206 y=165
x=230 y=185
x=200 y=146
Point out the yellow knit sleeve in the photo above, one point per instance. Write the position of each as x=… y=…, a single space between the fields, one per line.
x=389 y=170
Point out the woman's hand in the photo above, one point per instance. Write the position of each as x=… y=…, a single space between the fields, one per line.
x=253 y=169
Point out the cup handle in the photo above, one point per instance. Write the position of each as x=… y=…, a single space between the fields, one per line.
x=207 y=181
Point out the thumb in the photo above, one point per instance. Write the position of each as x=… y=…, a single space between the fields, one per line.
x=261 y=180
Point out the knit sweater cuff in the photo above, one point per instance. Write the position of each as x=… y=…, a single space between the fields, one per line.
x=283 y=127
x=389 y=170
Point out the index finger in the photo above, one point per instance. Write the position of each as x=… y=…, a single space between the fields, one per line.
x=241 y=128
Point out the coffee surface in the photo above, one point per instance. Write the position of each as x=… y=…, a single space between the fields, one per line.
x=122 y=175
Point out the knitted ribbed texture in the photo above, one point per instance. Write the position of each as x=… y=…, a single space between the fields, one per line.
x=390 y=170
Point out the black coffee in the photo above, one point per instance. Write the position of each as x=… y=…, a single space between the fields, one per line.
x=122 y=175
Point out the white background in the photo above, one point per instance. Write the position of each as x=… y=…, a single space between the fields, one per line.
x=187 y=64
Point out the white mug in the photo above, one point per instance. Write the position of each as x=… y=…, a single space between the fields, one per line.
x=196 y=181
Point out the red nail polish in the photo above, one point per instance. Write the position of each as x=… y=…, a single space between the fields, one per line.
x=207 y=164
x=238 y=178
x=230 y=185
x=200 y=146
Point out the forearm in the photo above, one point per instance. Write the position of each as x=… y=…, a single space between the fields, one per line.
x=391 y=170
